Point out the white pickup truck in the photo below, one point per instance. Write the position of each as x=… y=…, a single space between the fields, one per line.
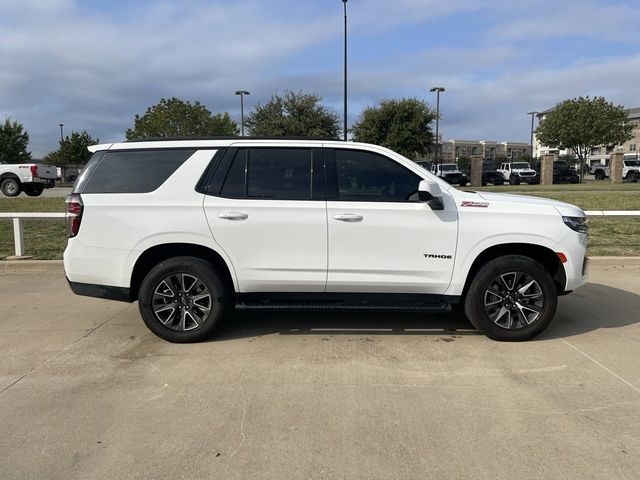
x=630 y=170
x=518 y=172
x=30 y=178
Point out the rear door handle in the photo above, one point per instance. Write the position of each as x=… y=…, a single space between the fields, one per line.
x=233 y=215
x=348 y=217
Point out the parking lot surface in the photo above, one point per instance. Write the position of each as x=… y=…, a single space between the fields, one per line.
x=87 y=392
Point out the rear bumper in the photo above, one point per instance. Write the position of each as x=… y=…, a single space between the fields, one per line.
x=106 y=292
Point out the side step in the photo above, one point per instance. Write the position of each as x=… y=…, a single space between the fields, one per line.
x=330 y=306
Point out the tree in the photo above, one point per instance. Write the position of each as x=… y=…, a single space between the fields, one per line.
x=582 y=123
x=295 y=114
x=402 y=125
x=13 y=143
x=72 y=150
x=176 y=118
x=464 y=163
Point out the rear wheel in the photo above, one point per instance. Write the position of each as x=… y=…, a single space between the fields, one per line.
x=513 y=180
x=33 y=190
x=511 y=298
x=10 y=187
x=599 y=175
x=183 y=300
x=632 y=177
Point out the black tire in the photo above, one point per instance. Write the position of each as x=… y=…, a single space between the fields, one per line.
x=463 y=184
x=539 y=302
x=514 y=180
x=599 y=175
x=11 y=187
x=33 y=190
x=632 y=177
x=179 y=326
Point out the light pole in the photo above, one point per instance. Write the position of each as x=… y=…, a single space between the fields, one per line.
x=437 y=90
x=61 y=137
x=533 y=114
x=242 y=93
x=344 y=121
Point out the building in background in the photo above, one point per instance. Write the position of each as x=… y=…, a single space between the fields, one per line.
x=598 y=155
x=487 y=149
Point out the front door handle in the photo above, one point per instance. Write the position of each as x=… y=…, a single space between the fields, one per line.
x=348 y=217
x=233 y=215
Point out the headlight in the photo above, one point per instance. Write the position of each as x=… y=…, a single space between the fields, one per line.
x=579 y=224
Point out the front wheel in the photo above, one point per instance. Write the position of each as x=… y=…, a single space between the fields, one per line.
x=514 y=180
x=511 y=298
x=183 y=299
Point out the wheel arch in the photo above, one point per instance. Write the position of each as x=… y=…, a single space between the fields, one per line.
x=6 y=175
x=544 y=255
x=157 y=253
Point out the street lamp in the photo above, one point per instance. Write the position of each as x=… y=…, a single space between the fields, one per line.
x=242 y=93
x=344 y=121
x=437 y=90
x=61 y=125
x=533 y=113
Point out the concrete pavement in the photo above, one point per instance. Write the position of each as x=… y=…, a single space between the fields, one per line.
x=87 y=392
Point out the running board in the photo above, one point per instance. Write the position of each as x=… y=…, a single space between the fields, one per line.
x=425 y=307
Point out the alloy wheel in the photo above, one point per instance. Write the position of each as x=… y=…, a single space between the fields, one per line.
x=181 y=302
x=513 y=300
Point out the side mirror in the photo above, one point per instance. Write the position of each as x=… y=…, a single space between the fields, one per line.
x=431 y=193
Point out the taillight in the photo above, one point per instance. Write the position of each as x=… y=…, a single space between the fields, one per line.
x=74 y=213
x=34 y=170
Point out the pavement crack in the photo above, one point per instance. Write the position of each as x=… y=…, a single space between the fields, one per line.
x=602 y=366
x=60 y=352
x=244 y=414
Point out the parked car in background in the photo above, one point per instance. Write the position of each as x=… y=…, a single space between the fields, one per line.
x=30 y=178
x=449 y=173
x=518 y=172
x=563 y=173
x=630 y=170
x=490 y=174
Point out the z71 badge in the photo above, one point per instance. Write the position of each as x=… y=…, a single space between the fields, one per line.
x=468 y=203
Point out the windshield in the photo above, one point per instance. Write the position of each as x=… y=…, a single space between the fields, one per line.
x=632 y=163
x=519 y=165
x=449 y=167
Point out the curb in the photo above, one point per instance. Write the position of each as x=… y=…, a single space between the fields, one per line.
x=30 y=266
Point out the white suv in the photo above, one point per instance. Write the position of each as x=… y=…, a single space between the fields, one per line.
x=193 y=228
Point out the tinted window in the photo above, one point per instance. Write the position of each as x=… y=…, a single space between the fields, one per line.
x=235 y=184
x=134 y=171
x=369 y=177
x=91 y=165
x=279 y=173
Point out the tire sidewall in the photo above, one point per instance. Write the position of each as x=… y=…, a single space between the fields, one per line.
x=192 y=266
x=474 y=300
x=7 y=181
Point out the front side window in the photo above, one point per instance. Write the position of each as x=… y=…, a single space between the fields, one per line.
x=368 y=177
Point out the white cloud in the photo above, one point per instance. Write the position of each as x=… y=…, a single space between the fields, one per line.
x=94 y=69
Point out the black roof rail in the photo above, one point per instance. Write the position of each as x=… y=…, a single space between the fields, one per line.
x=170 y=139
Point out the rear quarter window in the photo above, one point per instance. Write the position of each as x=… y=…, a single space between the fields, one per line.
x=131 y=171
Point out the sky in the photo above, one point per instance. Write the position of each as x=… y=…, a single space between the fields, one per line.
x=93 y=64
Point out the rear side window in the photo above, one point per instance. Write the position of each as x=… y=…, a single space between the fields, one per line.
x=91 y=165
x=140 y=171
x=279 y=173
x=273 y=174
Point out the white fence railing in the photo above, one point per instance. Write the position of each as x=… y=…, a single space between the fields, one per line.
x=18 y=224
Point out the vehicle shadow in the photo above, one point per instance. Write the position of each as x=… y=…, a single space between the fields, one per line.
x=592 y=307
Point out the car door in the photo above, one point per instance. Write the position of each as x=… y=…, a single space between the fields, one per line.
x=266 y=208
x=381 y=238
